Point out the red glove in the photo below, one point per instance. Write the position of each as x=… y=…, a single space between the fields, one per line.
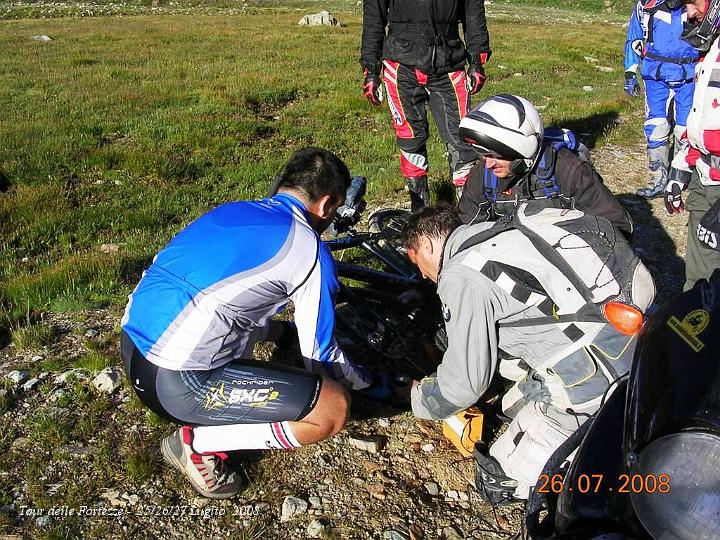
x=372 y=87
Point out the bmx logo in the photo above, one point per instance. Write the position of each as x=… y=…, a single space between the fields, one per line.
x=693 y=323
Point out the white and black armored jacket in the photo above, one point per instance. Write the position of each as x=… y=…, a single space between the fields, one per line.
x=526 y=295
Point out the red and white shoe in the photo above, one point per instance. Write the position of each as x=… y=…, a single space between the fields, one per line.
x=208 y=473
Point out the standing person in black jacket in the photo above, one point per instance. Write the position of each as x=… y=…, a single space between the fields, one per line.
x=422 y=60
x=521 y=160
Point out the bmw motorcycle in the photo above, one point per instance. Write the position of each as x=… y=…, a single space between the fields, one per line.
x=648 y=464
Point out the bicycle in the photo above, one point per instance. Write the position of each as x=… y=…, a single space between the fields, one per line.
x=387 y=316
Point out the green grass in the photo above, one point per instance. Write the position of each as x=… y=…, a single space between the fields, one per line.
x=32 y=337
x=123 y=130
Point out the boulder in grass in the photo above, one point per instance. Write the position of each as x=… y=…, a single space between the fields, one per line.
x=323 y=18
x=43 y=38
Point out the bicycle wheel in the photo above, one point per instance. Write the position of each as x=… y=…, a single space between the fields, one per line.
x=377 y=330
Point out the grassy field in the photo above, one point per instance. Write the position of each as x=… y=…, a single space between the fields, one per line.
x=123 y=129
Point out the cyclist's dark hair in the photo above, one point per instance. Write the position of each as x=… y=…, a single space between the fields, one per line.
x=433 y=221
x=316 y=172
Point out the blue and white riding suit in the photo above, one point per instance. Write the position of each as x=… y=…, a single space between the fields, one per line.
x=667 y=66
x=209 y=294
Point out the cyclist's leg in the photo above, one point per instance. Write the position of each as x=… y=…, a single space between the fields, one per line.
x=241 y=405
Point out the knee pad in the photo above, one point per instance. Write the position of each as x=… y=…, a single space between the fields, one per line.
x=657 y=132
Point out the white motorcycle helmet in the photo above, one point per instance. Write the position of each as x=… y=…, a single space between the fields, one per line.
x=505 y=127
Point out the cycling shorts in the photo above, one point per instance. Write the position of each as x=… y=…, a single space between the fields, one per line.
x=239 y=392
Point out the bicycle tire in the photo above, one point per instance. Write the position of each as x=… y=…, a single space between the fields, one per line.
x=376 y=329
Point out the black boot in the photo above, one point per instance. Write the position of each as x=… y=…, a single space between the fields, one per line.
x=494 y=486
x=419 y=192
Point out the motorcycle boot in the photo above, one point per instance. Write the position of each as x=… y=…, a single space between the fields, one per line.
x=659 y=164
x=419 y=192
x=494 y=486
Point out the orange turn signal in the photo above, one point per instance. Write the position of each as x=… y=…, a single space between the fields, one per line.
x=625 y=318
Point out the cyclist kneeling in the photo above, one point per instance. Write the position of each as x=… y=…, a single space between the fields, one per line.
x=552 y=299
x=191 y=323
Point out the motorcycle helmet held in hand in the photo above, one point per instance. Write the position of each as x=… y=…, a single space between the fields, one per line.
x=505 y=127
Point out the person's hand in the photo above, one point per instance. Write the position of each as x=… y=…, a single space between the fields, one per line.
x=379 y=389
x=677 y=183
x=475 y=78
x=372 y=87
x=402 y=388
x=632 y=87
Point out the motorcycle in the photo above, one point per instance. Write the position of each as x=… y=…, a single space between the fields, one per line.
x=648 y=464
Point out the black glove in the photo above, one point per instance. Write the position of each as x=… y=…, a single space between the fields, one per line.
x=372 y=87
x=475 y=78
x=677 y=182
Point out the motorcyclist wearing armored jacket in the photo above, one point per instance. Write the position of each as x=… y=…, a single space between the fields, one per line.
x=521 y=161
x=415 y=46
x=544 y=299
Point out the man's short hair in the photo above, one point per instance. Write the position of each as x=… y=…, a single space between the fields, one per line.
x=432 y=221
x=316 y=172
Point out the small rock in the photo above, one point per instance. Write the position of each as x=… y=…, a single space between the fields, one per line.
x=427 y=447
x=42 y=38
x=91 y=333
x=605 y=69
x=108 y=380
x=76 y=451
x=413 y=438
x=21 y=443
x=463 y=496
x=18 y=377
x=76 y=373
x=518 y=74
x=25 y=259
x=590 y=59
x=453 y=495
x=36 y=358
x=315 y=529
x=43 y=521
x=291 y=507
x=29 y=385
x=261 y=507
x=376 y=490
x=392 y=534
x=370 y=466
x=109 y=248
x=369 y=444
x=315 y=502
x=588 y=88
x=132 y=499
x=318 y=19
x=450 y=533
x=432 y=488
x=384 y=422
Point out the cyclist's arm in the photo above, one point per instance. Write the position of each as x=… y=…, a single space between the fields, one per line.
x=471 y=357
x=314 y=302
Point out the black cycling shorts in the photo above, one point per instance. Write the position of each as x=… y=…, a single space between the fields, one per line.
x=240 y=392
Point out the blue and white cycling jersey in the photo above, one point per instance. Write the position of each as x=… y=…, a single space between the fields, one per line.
x=208 y=295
